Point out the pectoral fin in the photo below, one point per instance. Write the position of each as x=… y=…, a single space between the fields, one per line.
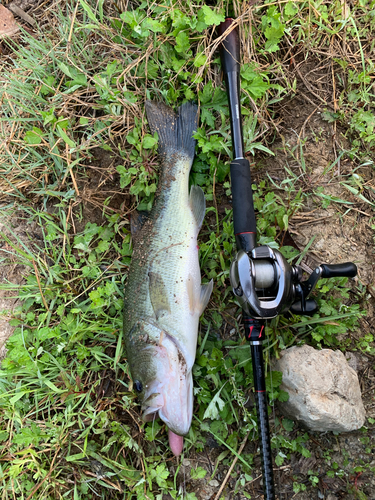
x=158 y=295
x=197 y=204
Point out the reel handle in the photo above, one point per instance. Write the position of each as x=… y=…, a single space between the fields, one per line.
x=347 y=269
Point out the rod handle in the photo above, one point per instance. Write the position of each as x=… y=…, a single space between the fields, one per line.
x=229 y=48
x=347 y=269
x=242 y=195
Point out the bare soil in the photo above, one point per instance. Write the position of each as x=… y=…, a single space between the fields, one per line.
x=11 y=271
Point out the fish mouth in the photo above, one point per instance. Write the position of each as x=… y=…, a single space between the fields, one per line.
x=151 y=407
x=170 y=395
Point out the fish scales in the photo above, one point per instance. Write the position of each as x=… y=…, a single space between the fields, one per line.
x=164 y=296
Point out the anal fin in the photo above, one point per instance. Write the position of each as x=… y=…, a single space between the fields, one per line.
x=199 y=304
x=206 y=291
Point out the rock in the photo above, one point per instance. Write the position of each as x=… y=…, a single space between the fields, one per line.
x=324 y=393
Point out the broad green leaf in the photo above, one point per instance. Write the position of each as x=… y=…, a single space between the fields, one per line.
x=153 y=25
x=183 y=43
x=76 y=457
x=17 y=397
x=290 y=9
x=283 y=396
x=279 y=460
x=65 y=69
x=256 y=87
x=48 y=116
x=211 y=17
x=274 y=380
x=198 y=473
x=148 y=141
x=4 y=435
x=305 y=452
x=200 y=60
x=33 y=137
x=216 y=405
x=288 y=424
x=52 y=386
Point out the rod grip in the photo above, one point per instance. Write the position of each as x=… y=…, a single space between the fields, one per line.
x=347 y=269
x=242 y=194
x=229 y=48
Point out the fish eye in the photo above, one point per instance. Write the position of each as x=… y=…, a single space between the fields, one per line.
x=138 y=386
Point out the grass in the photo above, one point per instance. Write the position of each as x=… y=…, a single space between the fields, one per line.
x=69 y=426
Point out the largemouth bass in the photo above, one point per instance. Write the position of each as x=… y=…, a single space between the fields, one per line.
x=164 y=296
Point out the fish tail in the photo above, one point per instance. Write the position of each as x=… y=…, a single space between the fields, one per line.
x=175 y=129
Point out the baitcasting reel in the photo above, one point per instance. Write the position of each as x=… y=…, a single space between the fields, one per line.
x=267 y=285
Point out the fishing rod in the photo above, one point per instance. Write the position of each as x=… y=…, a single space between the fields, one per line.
x=263 y=281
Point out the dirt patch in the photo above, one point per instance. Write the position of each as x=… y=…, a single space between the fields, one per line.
x=100 y=191
x=341 y=231
x=14 y=233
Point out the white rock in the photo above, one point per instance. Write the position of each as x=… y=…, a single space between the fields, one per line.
x=324 y=392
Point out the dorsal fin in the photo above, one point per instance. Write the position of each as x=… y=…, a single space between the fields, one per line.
x=137 y=221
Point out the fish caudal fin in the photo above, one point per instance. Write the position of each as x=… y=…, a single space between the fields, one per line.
x=175 y=130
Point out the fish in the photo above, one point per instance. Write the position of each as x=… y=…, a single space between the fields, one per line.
x=164 y=295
